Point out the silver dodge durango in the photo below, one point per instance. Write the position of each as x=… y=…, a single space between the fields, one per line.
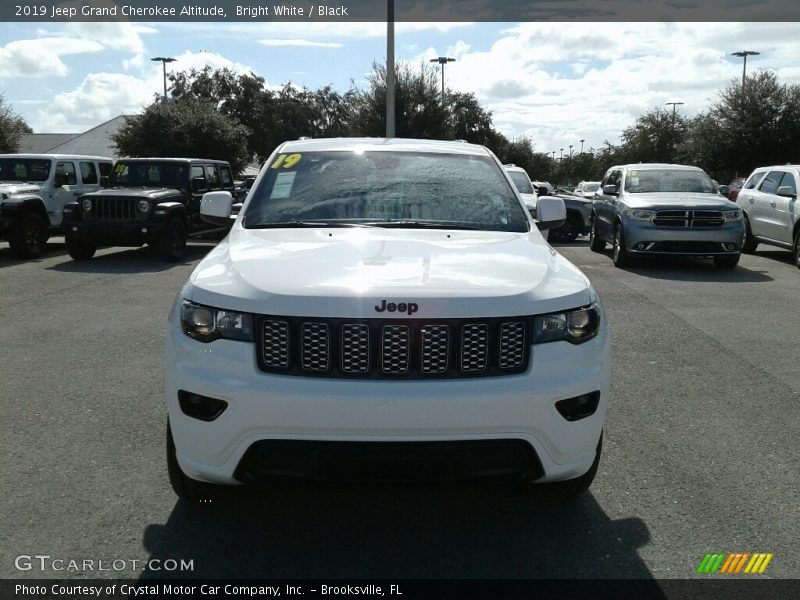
x=663 y=209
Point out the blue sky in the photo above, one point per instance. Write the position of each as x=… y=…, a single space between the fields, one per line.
x=557 y=82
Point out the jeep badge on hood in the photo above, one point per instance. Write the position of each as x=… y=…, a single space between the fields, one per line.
x=409 y=307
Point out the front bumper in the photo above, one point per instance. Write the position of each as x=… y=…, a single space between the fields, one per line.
x=116 y=233
x=642 y=237
x=265 y=407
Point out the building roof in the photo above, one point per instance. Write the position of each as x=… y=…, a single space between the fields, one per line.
x=96 y=141
x=38 y=143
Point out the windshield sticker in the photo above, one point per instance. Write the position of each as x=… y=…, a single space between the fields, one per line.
x=282 y=188
x=285 y=161
x=120 y=168
x=633 y=173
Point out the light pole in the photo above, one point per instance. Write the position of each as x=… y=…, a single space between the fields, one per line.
x=390 y=82
x=560 y=154
x=554 y=155
x=674 y=106
x=443 y=60
x=744 y=54
x=164 y=60
x=570 y=151
x=582 y=146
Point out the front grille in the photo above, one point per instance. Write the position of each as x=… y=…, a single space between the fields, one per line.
x=112 y=208
x=688 y=218
x=375 y=348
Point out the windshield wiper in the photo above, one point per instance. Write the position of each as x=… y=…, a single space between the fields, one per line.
x=423 y=225
x=301 y=224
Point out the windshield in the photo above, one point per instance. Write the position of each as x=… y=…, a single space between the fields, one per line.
x=668 y=180
x=521 y=181
x=591 y=186
x=150 y=174
x=25 y=169
x=384 y=188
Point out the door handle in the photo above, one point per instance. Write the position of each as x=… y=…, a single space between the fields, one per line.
x=773 y=204
x=752 y=200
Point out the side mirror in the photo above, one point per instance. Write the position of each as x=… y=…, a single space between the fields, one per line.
x=215 y=208
x=787 y=192
x=725 y=190
x=104 y=181
x=198 y=184
x=610 y=190
x=60 y=180
x=550 y=212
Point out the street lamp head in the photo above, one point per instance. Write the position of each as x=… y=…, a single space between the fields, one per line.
x=743 y=53
x=164 y=59
x=442 y=60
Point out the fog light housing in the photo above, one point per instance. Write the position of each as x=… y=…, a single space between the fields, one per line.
x=201 y=407
x=730 y=246
x=579 y=407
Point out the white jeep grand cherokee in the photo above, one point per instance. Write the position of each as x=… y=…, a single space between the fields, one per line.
x=384 y=309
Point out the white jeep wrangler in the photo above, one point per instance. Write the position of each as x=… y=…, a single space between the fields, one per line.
x=33 y=191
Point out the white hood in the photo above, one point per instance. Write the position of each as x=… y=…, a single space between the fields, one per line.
x=12 y=189
x=347 y=272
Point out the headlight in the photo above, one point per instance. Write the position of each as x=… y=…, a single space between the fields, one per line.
x=143 y=206
x=639 y=215
x=87 y=205
x=207 y=324
x=732 y=215
x=574 y=326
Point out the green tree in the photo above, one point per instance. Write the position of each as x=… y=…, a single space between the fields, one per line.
x=184 y=127
x=12 y=128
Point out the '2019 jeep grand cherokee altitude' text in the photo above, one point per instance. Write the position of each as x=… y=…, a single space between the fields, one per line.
x=385 y=308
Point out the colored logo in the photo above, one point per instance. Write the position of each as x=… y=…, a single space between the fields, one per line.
x=734 y=563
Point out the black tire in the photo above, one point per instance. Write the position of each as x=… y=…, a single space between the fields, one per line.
x=579 y=485
x=80 y=249
x=596 y=243
x=172 y=243
x=569 y=231
x=621 y=256
x=183 y=486
x=29 y=237
x=749 y=244
x=796 y=248
x=726 y=262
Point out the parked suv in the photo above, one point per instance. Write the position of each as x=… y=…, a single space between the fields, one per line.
x=586 y=189
x=661 y=209
x=153 y=201
x=772 y=215
x=384 y=309
x=35 y=188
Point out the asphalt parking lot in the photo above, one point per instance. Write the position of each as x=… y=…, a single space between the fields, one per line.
x=700 y=449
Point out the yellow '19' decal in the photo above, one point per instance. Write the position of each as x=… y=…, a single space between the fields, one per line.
x=286 y=161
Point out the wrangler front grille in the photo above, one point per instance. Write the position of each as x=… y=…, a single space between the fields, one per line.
x=375 y=348
x=688 y=218
x=112 y=208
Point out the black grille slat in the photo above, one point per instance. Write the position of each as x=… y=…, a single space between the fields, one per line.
x=386 y=348
x=112 y=208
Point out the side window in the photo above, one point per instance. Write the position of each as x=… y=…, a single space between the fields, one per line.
x=105 y=169
x=614 y=178
x=88 y=173
x=198 y=172
x=771 y=182
x=213 y=176
x=753 y=181
x=69 y=169
x=225 y=175
x=790 y=182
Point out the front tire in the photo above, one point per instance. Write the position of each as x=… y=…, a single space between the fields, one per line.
x=726 y=262
x=172 y=243
x=596 y=244
x=185 y=487
x=749 y=244
x=30 y=236
x=569 y=231
x=796 y=249
x=80 y=249
x=622 y=257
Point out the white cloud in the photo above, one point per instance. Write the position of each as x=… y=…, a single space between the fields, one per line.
x=118 y=35
x=42 y=57
x=299 y=42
